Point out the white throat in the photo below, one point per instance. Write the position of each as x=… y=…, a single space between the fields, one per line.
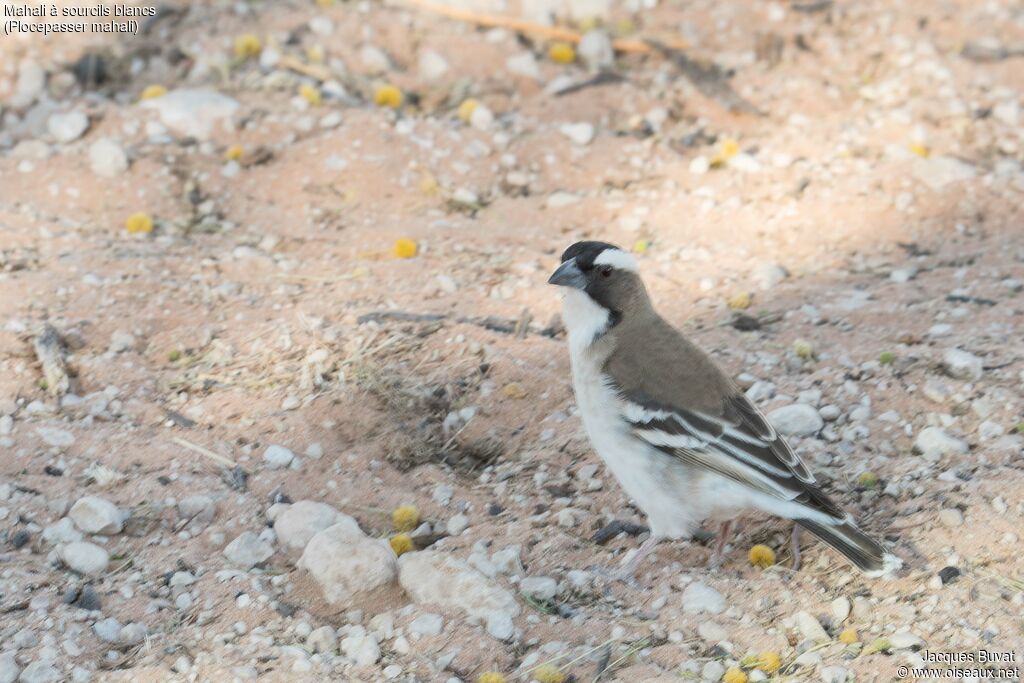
x=584 y=320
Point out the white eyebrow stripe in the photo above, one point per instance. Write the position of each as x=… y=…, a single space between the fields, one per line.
x=616 y=258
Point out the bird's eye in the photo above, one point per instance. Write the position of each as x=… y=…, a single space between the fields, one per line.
x=606 y=271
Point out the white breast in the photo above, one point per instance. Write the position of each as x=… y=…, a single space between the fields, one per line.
x=659 y=485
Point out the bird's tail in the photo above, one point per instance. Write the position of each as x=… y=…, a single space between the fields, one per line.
x=864 y=552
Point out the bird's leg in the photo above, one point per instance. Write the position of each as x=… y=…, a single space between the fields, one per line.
x=724 y=535
x=794 y=544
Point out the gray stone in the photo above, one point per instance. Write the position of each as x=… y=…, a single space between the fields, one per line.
x=905 y=640
x=699 y=597
x=85 y=558
x=95 y=515
x=248 y=550
x=301 y=521
x=347 y=564
x=962 y=365
x=67 y=127
x=798 y=419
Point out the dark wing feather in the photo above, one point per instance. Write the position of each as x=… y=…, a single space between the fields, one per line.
x=738 y=443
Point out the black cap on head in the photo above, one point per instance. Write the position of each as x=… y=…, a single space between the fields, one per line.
x=585 y=252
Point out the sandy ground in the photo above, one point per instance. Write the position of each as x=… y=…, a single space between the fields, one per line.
x=883 y=175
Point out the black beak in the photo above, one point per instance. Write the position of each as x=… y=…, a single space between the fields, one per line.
x=568 y=275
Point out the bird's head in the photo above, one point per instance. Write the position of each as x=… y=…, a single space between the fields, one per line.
x=604 y=274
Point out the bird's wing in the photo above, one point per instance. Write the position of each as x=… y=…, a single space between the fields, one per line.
x=737 y=443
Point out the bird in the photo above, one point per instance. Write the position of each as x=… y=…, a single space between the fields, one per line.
x=681 y=438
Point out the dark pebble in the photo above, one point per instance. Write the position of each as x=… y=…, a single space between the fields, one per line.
x=949 y=574
x=616 y=527
x=20 y=538
x=494 y=509
x=285 y=609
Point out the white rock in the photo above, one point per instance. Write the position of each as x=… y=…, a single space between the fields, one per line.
x=107 y=630
x=84 y=558
x=810 y=628
x=595 y=50
x=433 y=578
x=539 y=587
x=301 y=521
x=798 y=419
x=457 y=524
x=989 y=430
x=938 y=172
x=933 y=443
x=58 y=438
x=95 y=515
x=559 y=199
x=711 y=632
x=524 y=64
x=961 y=364
x=194 y=113
x=699 y=165
x=67 y=127
x=347 y=564
x=767 y=275
x=902 y=275
x=248 y=550
x=197 y=508
x=121 y=341
x=840 y=610
x=699 y=597
x=834 y=674
x=500 y=626
x=40 y=672
x=951 y=517
x=107 y=159
x=432 y=65
x=427 y=625
x=277 y=457
x=361 y=647
x=905 y=640
x=322 y=639
x=712 y=671
x=62 y=531
x=375 y=59
x=580 y=133
x=30 y=84
x=132 y=634
x=9 y=668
